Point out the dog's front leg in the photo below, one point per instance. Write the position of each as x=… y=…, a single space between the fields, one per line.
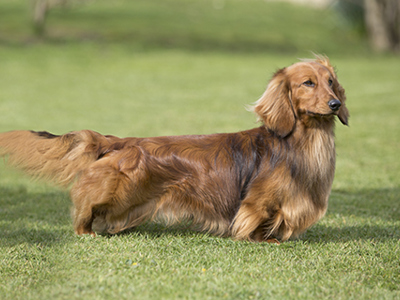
x=247 y=224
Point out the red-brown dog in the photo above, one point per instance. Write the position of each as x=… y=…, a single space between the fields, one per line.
x=268 y=183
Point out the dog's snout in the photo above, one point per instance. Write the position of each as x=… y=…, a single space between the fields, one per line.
x=334 y=104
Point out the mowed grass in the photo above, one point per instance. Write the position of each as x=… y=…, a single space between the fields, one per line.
x=187 y=67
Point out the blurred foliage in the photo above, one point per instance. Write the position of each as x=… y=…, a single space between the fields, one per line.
x=223 y=25
x=352 y=13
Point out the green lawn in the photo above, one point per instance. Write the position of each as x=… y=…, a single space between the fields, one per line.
x=167 y=67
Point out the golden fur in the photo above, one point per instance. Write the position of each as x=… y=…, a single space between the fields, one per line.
x=268 y=183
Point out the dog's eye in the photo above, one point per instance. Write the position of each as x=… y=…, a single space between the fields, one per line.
x=309 y=83
x=330 y=82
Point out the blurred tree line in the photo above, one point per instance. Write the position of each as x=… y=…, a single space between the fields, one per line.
x=379 y=19
x=40 y=10
x=382 y=19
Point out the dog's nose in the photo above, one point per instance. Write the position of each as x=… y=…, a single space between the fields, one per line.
x=334 y=104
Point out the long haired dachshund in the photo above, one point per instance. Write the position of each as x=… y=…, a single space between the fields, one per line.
x=266 y=184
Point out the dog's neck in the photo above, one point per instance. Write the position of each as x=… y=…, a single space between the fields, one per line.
x=317 y=147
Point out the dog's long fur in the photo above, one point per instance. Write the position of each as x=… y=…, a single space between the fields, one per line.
x=271 y=182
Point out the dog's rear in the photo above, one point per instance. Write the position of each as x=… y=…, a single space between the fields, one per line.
x=52 y=157
x=94 y=162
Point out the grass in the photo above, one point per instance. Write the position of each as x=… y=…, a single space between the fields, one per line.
x=185 y=67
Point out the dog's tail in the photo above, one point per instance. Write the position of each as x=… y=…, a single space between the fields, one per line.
x=58 y=158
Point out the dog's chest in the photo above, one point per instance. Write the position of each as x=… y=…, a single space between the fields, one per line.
x=319 y=154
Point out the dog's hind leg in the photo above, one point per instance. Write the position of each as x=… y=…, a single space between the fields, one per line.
x=104 y=190
x=83 y=219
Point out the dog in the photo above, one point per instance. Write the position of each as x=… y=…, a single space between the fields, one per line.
x=269 y=184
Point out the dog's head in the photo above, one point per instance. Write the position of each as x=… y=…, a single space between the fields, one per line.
x=307 y=91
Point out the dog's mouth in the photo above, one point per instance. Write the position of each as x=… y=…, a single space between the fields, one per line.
x=315 y=114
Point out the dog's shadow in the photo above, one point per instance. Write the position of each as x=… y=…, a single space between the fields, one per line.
x=153 y=230
x=45 y=217
x=328 y=234
x=370 y=214
x=381 y=223
x=33 y=217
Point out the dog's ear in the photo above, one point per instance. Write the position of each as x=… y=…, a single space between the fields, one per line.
x=343 y=111
x=337 y=89
x=274 y=108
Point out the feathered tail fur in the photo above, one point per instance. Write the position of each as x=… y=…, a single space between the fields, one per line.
x=56 y=158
